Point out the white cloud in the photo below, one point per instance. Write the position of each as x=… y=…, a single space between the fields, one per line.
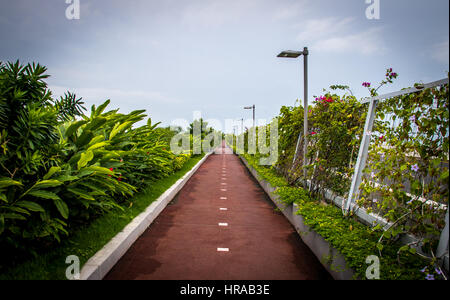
x=217 y=12
x=367 y=42
x=337 y=35
x=117 y=96
x=440 y=52
x=285 y=11
x=320 y=28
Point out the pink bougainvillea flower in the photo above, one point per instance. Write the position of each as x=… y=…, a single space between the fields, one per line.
x=415 y=168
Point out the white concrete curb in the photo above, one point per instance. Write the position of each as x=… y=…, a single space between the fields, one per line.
x=102 y=262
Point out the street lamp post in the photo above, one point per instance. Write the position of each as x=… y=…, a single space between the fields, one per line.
x=252 y=107
x=295 y=54
x=242 y=124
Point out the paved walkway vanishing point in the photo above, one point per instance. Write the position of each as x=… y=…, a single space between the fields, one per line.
x=220 y=226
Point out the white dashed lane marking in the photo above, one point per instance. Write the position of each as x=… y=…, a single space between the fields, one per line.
x=223 y=184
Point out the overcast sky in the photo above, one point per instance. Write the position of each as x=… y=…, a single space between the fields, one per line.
x=173 y=57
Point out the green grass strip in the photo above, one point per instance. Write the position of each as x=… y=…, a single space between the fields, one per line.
x=85 y=242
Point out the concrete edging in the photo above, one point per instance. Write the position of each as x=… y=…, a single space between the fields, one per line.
x=333 y=261
x=102 y=262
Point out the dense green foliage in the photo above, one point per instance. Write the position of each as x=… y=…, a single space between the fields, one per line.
x=409 y=148
x=87 y=239
x=406 y=175
x=336 y=128
x=352 y=239
x=62 y=168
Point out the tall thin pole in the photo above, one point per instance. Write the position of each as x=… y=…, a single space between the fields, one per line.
x=253 y=115
x=305 y=108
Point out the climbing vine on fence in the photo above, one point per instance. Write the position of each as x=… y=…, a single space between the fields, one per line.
x=406 y=178
x=407 y=172
x=336 y=127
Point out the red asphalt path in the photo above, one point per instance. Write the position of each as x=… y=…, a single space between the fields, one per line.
x=183 y=242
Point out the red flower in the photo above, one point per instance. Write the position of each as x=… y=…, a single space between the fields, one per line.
x=313 y=133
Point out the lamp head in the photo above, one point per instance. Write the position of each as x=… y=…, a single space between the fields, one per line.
x=290 y=54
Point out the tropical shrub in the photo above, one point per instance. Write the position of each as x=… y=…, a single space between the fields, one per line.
x=62 y=168
x=336 y=128
x=290 y=125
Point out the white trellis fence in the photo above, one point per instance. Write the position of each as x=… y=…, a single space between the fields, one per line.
x=363 y=154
